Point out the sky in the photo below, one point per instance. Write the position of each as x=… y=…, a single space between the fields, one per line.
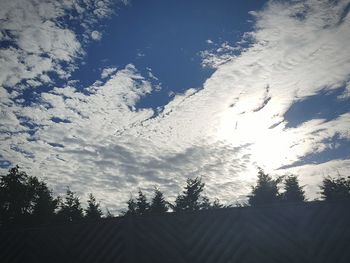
x=111 y=96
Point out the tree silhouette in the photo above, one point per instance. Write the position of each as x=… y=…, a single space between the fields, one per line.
x=109 y=214
x=293 y=191
x=132 y=207
x=25 y=199
x=93 y=210
x=45 y=204
x=239 y=204
x=216 y=204
x=28 y=200
x=70 y=209
x=142 y=206
x=15 y=199
x=205 y=204
x=266 y=190
x=190 y=199
x=338 y=188
x=158 y=203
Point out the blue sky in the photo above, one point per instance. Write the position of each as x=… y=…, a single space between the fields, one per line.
x=109 y=97
x=166 y=37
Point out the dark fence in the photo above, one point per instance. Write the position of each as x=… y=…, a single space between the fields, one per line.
x=314 y=232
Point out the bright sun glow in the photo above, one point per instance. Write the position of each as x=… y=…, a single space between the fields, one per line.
x=270 y=148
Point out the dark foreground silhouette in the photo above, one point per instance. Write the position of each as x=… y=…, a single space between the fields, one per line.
x=27 y=201
x=305 y=232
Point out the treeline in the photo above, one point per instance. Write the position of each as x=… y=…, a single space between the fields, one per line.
x=27 y=200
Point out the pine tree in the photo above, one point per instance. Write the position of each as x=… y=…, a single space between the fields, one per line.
x=15 y=196
x=44 y=204
x=132 y=207
x=70 y=209
x=142 y=206
x=25 y=199
x=158 y=203
x=293 y=191
x=190 y=198
x=109 y=214
x=333 y=189
x=266 y=190
x=93 y=210
x=216 y=204
x=205 y=203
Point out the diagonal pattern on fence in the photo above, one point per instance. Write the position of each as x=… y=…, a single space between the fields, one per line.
x=313 y=232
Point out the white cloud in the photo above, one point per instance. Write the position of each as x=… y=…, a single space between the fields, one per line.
x=296 y=58
x=95 y=35
x=39 y=42
x=107 y=72
x=99 y=142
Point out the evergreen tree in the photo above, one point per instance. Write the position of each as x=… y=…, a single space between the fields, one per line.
x=266 y=190
x=109 y=214
x=15 y=196
x=45 y=204
x=24 y=199
x=70 y=209
x=333 y=189
x=293 y=191
x=216 y=204
x=205 y=203
x=190 y=198
x=158 y=203
x=239 y=204
x=142 y=206
x=93 y=210
x=132 y=207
